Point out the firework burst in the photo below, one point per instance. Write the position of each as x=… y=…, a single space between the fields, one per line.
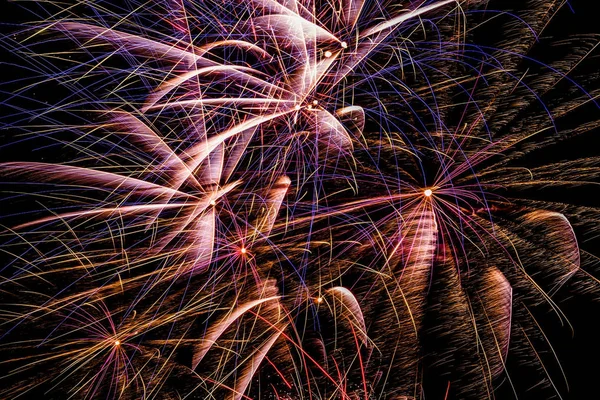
x=290 y=199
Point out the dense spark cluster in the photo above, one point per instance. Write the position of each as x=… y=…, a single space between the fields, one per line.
x=289 y=199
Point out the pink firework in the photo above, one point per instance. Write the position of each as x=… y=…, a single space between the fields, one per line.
x=291 y=199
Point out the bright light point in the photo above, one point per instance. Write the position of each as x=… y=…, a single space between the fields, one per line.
x=428 y=192
x=344 y=45
x=297 y=107
x=213 y=203
x=117 y=342
x=243 y=250
x=309 y=107
x=328 y=54
x=319 y=300
x=315 y=102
